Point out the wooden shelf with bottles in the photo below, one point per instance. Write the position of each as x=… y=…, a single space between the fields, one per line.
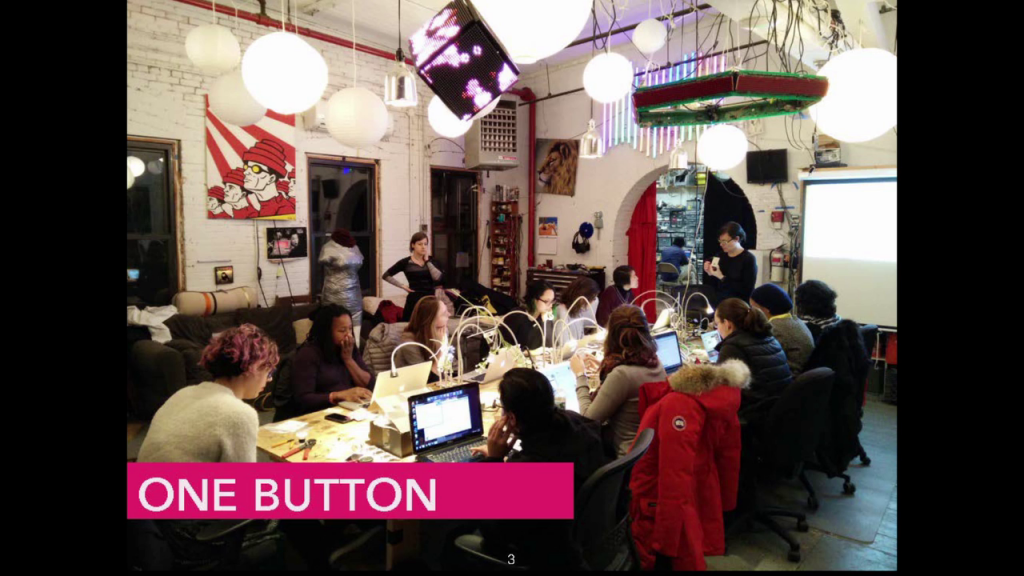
x=506 y=224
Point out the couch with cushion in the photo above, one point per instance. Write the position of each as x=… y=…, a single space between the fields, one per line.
x=156 y=371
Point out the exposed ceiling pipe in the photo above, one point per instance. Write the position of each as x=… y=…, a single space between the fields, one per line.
x=628 y=28
x=269 y=22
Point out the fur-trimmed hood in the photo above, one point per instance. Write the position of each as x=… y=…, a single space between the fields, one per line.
x=696 y=379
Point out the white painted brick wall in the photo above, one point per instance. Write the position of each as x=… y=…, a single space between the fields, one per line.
x=165 y=99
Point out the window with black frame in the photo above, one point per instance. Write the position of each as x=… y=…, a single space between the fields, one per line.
x=453 y=201
x=343 y=195
x=152 y=246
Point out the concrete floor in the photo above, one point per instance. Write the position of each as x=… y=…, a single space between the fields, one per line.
x=828 y=544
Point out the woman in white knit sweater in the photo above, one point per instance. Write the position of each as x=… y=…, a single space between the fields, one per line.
x=209 y=422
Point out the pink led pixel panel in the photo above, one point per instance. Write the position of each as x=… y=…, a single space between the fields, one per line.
x=461 y=60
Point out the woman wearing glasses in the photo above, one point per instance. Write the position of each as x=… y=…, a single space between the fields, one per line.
x=734 y=266
x=540 y=299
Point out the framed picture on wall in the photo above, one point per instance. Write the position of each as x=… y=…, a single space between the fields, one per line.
x=284 y=243
x=556 y=166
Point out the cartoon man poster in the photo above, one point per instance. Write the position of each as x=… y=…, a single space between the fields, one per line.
x=253 y=166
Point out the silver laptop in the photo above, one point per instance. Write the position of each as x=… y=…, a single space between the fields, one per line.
x=563 y=383
x=407 y=380
x=668 y=351
x=497 y=365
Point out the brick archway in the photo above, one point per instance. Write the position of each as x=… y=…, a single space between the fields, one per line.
x=620 y=246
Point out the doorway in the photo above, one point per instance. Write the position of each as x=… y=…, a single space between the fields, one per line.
x=453 y=222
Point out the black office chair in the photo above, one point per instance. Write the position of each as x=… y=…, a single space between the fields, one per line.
x=601 y=524
x=788 y=439
x=870 y=334
x=148 y=548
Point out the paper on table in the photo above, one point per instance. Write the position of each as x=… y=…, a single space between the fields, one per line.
x=285 y=427
x=361 y=414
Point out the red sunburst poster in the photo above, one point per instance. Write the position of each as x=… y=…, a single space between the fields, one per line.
x=250 y=171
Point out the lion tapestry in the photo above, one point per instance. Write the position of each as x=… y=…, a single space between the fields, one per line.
x=250 y=170
x=556 y=166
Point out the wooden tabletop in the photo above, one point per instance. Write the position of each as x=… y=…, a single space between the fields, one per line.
x=333 y=440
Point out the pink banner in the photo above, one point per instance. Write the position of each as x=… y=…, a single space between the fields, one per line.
x=425 y=491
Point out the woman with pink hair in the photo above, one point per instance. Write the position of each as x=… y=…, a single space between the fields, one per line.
x=209 y=422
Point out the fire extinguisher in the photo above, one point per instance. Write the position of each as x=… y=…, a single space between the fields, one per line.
x=778 y=265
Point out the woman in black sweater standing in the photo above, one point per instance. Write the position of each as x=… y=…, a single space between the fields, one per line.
x=736 y=267
x=423 y=275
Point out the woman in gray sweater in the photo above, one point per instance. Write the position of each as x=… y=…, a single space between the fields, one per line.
x=209 y=422
x=630 y=361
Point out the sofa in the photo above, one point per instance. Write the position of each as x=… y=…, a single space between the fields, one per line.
x=156 y=371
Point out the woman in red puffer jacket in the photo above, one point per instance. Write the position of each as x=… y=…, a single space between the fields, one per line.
x=690 y=474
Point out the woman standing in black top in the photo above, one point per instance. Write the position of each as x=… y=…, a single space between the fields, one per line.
x=423 y=275
x=737 y=267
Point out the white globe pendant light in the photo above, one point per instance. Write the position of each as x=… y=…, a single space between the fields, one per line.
x=608 y=77
x=212 y=48
x=136 y=166
x=231 y=102
x=155 y=167
x=444 y=121
x=722 y=146
x=131 y=178
x=487 y=109
x=650 y=35
x=532 y=30
x=356 y=117
x=284 y=73
x=861 y=101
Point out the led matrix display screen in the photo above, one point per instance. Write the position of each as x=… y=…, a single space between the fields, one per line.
x=459 y=57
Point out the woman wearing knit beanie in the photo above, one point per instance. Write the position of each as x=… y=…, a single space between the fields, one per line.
x=791 y=332
x=342 y=260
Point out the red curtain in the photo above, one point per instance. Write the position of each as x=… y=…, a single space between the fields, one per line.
x=643 y=246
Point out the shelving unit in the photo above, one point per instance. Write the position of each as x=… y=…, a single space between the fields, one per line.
x=679 y=207
x=506 y=223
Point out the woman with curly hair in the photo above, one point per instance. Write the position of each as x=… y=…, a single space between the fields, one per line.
x=630 y=360
x=209 y=422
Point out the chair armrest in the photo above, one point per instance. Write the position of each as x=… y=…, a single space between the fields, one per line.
x=473 y=546
x=352 y=546
x=221 y=528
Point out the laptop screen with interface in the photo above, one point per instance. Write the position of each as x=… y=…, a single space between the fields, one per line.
x=563 y=380
x=445 y=416
x=711 y=339
x=668 y=351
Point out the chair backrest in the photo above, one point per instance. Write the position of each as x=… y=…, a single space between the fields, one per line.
x=601 y=523
x=797 y=420
x=667 y=268
x=869 y=332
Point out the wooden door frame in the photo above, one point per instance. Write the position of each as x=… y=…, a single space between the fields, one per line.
x=178 y=201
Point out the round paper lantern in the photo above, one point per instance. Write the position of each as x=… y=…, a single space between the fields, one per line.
x=232 y=103
x=136 y=166
x=356 y=117
x=444 y=122
x=214 y=49
x=156 y=167
x=722 y=146
x=861 y=101
x=534 y=29
x=131 y=178
x=284 y=73
x=650 y=36
x=608 y=77
x=487 y=109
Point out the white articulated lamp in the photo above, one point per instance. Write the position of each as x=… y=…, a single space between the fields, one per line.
x=284 y=73
x=861 y=101
x=532 y=30
x=231 y=102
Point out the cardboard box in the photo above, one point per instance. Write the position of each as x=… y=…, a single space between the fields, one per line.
x=391 y=440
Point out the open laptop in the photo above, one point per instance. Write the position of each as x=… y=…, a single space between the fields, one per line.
x=410 y=379
x=446 y=424
x=563 y=382
x=497 y=365
x=710 y=340
x=668 y=351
